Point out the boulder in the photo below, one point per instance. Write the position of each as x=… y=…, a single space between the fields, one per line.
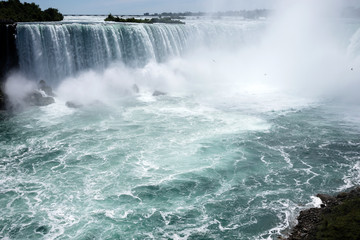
x=46 y=88
x=35 y=98
x=3 y=100
x=327 y=199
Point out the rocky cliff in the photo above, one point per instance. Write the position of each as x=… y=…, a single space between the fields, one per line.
x=8 y=55
x=338 y=218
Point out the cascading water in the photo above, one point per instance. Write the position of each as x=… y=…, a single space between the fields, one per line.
x=354 y=46
x=56 y=51
x=229 y=152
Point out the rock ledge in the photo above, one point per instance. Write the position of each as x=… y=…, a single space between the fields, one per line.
x=338 y=218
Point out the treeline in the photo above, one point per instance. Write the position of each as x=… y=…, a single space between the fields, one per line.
x=110 y=17
x=248 y=14
x=15 y=11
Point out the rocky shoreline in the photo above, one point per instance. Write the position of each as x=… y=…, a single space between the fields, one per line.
x=338 y=218
x=3 y=100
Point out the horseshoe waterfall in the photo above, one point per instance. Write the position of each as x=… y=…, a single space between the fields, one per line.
x=213 y=129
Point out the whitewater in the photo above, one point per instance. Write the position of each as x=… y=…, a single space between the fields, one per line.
x=253 y=123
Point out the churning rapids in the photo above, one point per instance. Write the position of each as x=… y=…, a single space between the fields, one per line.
x=257 y=118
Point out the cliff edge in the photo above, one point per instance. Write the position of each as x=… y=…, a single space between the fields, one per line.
x=338 y=218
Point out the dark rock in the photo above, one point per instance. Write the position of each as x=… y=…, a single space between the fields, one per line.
x=342 y=195
x=354 y=193
x=46 y=88
x=3 y=100
x=158 y=93
x=71 y=104
x=6 y=21
x=9 y=59
x=35 y=98
x=310 y=221
x=327 y=199
x=42 y=229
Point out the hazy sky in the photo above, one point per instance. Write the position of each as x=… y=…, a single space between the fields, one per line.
x=152 y=6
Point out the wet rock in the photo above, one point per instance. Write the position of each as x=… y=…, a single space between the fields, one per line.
x=307 y=224
x=314 y=220
x=342 y=195
x=46 y=88
x=158 y=93
x=42 y=229
x=3 y=100
x=327 y=199
x=71 y=104
x=41 y=97
x=35 y=98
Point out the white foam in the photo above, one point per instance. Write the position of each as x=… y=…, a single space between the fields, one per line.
x=315 y=202
x=352 y=178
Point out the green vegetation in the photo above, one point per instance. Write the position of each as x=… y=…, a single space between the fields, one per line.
x=343 y=222
x=14 y=10
x=247 y=14
x=149 y=21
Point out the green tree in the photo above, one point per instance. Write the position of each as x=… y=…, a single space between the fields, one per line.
x=14 y=10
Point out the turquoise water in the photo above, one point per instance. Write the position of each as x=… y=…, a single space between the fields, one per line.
x=170 y=168
x=252 y=127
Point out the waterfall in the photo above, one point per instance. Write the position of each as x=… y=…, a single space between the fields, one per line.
x=56 y=51
x=353 y=49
